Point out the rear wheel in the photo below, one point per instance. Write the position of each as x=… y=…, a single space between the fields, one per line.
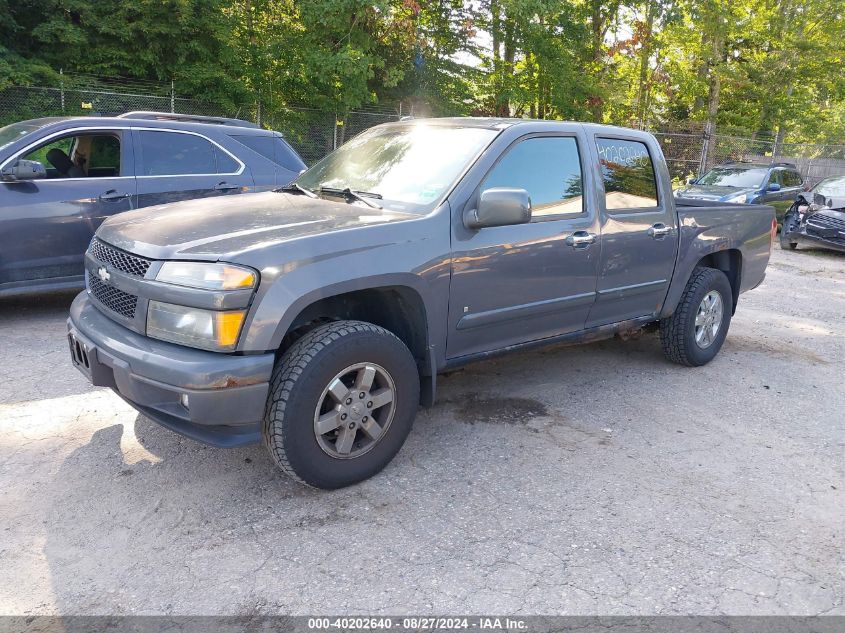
x=694 y=334
x=342 y=402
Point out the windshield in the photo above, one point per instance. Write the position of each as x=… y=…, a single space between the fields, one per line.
x=831 y=187
x=744 y=177
x=15 y=131
x=410 y=167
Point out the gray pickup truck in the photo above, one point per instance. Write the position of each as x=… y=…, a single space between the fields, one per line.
x=317 y=318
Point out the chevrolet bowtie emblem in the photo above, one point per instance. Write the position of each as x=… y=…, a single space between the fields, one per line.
x=103 y=274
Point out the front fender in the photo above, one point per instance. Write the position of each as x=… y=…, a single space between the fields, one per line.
x=413 y=255
x=395 y=280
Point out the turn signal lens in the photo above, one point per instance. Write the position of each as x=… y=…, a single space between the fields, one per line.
x=205 y=329
x=228 y=328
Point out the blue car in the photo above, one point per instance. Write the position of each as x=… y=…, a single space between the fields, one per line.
x=61 y=177
x=744 y=183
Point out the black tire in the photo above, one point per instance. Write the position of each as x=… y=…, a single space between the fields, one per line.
x=678 y=332
x=785 y=243
x=298 y=384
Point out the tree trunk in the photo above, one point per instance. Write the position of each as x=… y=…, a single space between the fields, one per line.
x=703 y=71
x=712 y=102
x=778 y=148
x=510 y=56
x=496 y=33
x=597 y=24
x=602 y=13
x=533 y=74
x=541 y=94
x=645 y=56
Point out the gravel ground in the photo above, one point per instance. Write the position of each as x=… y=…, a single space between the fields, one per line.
x=591 y=480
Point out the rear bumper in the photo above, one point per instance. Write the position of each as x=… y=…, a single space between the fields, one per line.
x=226 y=393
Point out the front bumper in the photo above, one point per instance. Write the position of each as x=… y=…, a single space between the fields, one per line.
x=803 y=237
x=226 y=393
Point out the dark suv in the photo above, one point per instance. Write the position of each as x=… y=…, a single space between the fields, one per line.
x=747 y=183
x=61 y=177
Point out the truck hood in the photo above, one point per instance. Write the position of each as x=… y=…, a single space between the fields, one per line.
x=831 y=202
x=215 y=228
x=712 y=192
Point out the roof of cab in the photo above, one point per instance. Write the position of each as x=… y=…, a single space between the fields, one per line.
x=500 y=123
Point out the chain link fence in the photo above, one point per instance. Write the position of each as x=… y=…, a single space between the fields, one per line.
x=313 y=133
x=691 y=152
x=682 y=152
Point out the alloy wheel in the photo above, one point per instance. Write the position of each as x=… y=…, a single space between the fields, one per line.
x=355 y=410
x=708 y=319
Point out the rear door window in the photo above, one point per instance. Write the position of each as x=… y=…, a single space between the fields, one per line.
x=180 y=154
x=628 y=174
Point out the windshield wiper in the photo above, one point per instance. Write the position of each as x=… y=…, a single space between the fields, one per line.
x=349 y=194
x=296 y=188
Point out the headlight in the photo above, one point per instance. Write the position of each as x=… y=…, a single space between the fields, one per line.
x=740 y=199
x=208 y=276
x=206 y=329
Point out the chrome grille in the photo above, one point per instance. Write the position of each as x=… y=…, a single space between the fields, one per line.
x=826 y=222
x=112 y=298
x=118 y=259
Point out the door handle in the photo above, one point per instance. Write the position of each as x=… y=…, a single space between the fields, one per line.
x=580 y=239
x=225 y=186
x=659 y=231
x=113 y=194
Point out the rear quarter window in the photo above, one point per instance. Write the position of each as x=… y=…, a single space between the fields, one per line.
x=273 y=149
x=628 y=174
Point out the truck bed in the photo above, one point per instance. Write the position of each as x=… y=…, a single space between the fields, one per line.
x=742 y=230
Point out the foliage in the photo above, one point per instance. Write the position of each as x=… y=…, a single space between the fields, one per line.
x=771 y=68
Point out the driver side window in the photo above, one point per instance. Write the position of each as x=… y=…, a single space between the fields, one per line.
x=549 y=169
x=792 y=179
x=79 y=156
x=63 y=145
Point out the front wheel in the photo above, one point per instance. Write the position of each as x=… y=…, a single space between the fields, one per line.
x=694 y=334
x=342 y=401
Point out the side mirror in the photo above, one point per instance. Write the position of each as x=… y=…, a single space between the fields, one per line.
x=23 y=170
x=499 y=207
x=691 y=180
x=773 y=186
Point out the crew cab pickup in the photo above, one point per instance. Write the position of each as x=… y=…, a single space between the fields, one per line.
x=316 y=318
